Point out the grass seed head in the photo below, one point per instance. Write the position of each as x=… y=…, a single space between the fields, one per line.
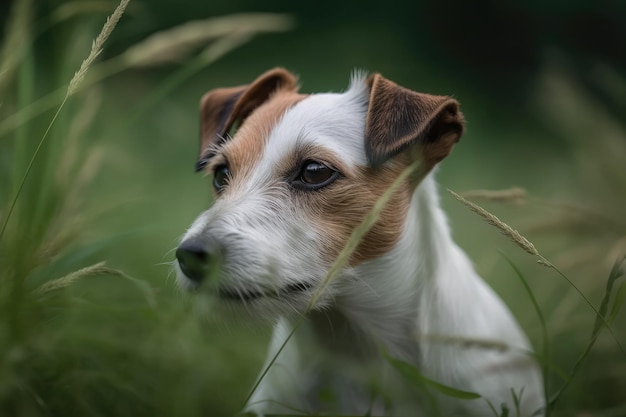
x=96 y=47
x=507 y=230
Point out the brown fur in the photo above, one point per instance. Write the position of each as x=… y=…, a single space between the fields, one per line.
x=243 y=153
x=216 y=107
x=222 y=108
x=401 y=125
x=399 y=118
x=340 y=208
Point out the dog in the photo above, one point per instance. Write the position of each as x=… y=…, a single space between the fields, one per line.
x=294 y=176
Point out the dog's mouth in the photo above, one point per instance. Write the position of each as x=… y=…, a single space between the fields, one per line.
x=249 y=295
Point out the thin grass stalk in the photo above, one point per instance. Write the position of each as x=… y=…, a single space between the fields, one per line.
x=599 y=316
x=116 y=65
x=215 y=51
x=75 y=82
x=614 y=275
x=272 y=361
x=96 y=47
x=28 y=169
x=518 y=195
x=492 y=408
x=19 y=256
x=412 y=374
x=343 y=257
x=468 y=342
x=173 y=44
x=513 y=235
x=587 y=213
x=545 y=341
x=67 y=280
x=98 y=269
x=137 y=56
x=514 y=195
x=99 y=72
x=581 y=359
x=529 y=248
x=211 y=54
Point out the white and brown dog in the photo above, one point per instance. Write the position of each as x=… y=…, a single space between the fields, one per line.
x=294 y=175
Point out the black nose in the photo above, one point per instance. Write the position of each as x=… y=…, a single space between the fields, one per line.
x=193 y=259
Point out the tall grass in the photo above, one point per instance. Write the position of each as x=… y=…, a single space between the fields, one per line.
x=79 y=337
x=87 y=328
x=590 y=233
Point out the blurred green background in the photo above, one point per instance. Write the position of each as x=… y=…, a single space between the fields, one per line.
x=543 y=89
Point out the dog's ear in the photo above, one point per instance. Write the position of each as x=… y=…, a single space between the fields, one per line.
x=398 y=119
x=223 y=109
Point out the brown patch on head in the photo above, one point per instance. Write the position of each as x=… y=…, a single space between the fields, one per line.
x=246 y=148
x=223 y=108
x=216 y=106
x=340 y=208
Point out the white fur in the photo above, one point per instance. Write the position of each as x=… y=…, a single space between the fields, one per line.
x=335 y=121
x=421 y=302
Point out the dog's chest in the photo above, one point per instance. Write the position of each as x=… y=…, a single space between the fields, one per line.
x=348 y=368
x=336 y=336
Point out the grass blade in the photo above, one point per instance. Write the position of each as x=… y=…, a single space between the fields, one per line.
x=75 y=82
x=96 y=270
x=529 y=248
x=67 y=280
x=620 y=297
x=412 y=374
x=227 y=32
x=365 y=226
x=545 y=341
x=615 y=273
x=490 y=218
x=599 y=316
x=29 y=168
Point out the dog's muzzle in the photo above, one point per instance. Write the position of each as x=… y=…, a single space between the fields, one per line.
x=193 y=259
x=198 y=260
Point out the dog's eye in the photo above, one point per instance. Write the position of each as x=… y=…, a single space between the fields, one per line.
x=221 y=177
x=314 y=175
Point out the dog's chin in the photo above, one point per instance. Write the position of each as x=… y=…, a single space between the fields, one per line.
x=290 y=298
x=243 y=295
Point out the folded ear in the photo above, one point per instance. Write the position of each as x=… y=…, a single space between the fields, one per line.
x=224 y=108
x=399 y=119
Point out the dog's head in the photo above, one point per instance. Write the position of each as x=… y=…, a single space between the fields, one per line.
x=295 y=174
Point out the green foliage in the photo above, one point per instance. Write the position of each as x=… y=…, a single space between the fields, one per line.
x=412 y=374
x=615 y=274
x=545 y=351
x=95 y=188
x=92 y=340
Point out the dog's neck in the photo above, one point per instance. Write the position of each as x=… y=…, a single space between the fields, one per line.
x=383 y=296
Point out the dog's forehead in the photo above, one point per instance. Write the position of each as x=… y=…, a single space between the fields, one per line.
x=335 y=122
x=272 y=135
x=247 y=147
